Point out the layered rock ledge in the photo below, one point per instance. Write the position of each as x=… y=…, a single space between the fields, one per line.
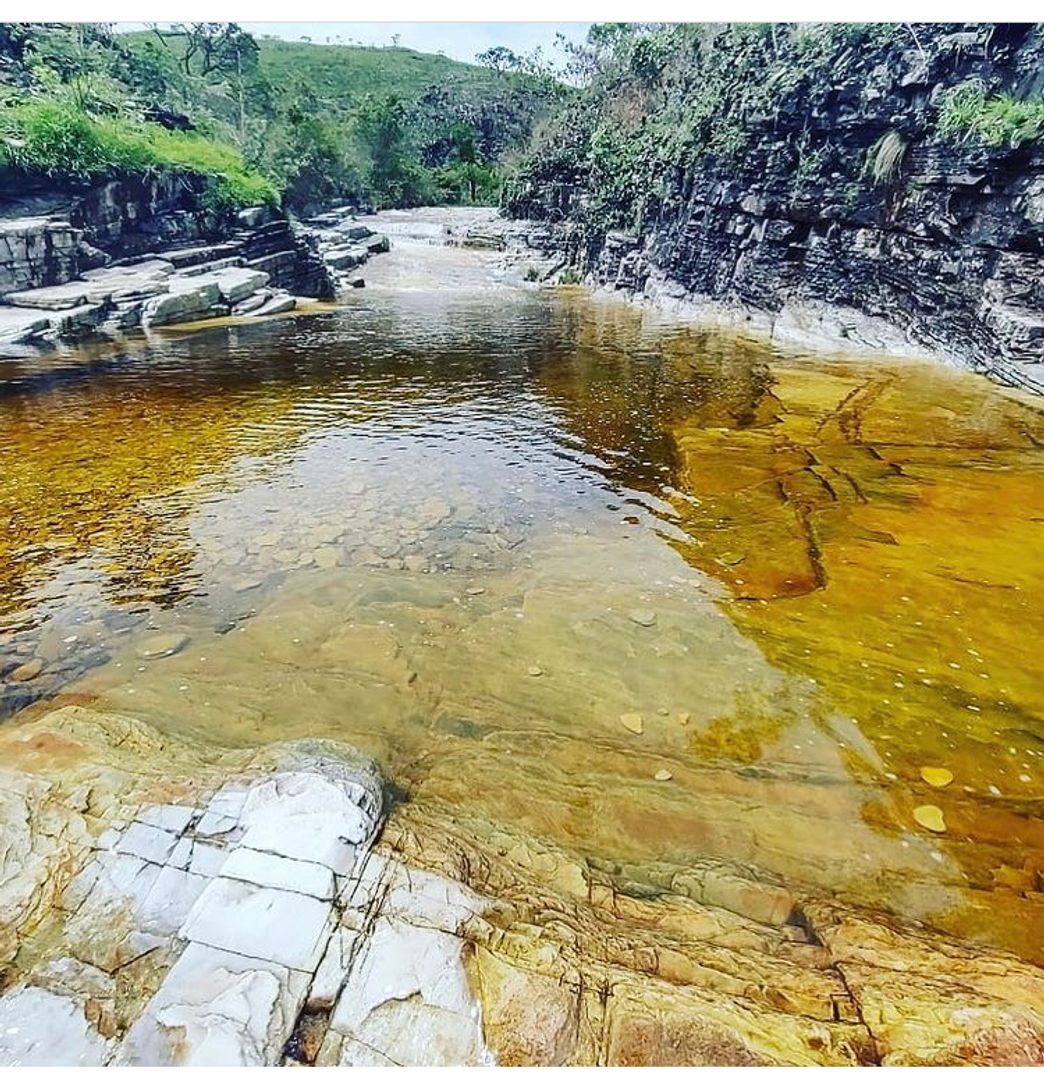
x=796 y=236
x=141 y=254
x=172 y=905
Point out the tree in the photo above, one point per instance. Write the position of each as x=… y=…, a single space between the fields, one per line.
x=500 y=59
x=211 y=48
x=395 y=176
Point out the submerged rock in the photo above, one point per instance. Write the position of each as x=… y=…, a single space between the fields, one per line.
x=251 y=907
x=156 y=647
x=633 y=722
x=28 y=670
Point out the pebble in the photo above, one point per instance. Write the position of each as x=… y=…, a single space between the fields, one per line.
x=325 y=557
x=684 y=718
x=475 y=590
x=28 y=670
x=534 y=671
x=248 y=584
x=663 y=775
x=632 y=722
x=930 y=817
x=156 y=647
x=644 y=618
x=937 y=777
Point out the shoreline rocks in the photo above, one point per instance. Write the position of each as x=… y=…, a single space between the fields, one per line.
x=182 y=906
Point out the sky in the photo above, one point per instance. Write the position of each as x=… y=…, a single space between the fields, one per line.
x=458 y=40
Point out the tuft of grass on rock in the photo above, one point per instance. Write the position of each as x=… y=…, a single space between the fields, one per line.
x=996 y=120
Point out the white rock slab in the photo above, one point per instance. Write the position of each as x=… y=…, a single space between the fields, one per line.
x=207 y=858
x=167 y=905
x=337 y=1050
x=277 y=303
x=275 y=871
x=308 y=837
x=408 y=999
x=20 y=325
x=216 y=824
x=228 y=802
x=265 y=923
x=171 y=818
x=38 y=1027
x=306 y=816
x=144 y=841
x=181 y=856
x=238 y=283
x=109 y=878
x=216 y=1008
x=66 y=296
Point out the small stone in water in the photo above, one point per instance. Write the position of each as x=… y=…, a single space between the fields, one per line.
x=325 y=557
x=937 y=777
x=684 y=718
x=28 y=670
x=156 y=647
x=534 y=671
x=632 y=722
x=643 y=617
x=930 y=817
x=475 y=590
x=663 y=775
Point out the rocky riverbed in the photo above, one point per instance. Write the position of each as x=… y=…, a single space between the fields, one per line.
x=480 y=674
x=171 y=905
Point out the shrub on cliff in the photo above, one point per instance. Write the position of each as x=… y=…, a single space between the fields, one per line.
x=61 y=140
x=1000 y=120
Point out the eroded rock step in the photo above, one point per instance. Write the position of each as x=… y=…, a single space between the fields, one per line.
x=165 y=905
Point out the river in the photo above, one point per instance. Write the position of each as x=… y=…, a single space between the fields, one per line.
x=646 y=591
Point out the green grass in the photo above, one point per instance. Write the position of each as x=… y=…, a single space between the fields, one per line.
x=997 y=121
x=342 y=74
x=58 y=139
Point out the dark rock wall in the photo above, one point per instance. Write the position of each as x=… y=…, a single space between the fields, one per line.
x=950 y=251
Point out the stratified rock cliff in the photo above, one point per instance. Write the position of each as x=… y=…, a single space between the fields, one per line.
x=880 y=184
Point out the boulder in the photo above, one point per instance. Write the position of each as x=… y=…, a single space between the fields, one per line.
x=277 y=303
x=344 y=258
x=187 y=299
x=377 y=243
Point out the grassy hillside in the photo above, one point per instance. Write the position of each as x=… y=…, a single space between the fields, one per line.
x=342 y=74
x=303 y=122
x=395 y=124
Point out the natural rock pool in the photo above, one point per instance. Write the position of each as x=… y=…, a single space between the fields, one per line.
x=569 y=570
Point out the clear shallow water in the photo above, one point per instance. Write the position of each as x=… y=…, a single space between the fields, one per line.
x=467 y=528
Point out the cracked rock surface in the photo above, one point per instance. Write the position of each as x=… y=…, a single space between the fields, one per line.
x=166 y=904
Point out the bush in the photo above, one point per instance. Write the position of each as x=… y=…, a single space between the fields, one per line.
x=60 y=140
